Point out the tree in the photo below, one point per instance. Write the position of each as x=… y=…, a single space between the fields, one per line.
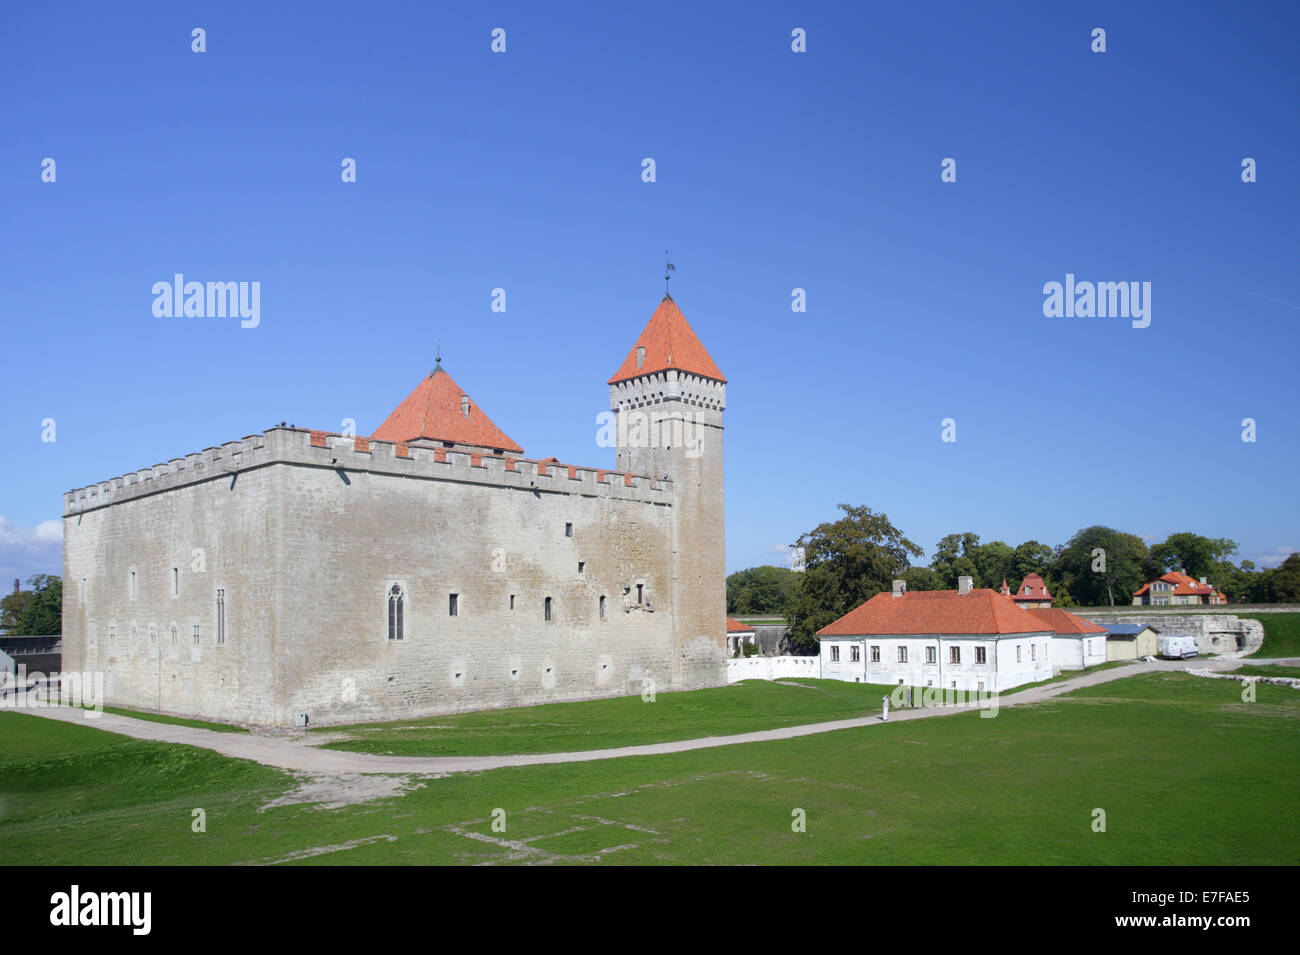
x=922 y=578
x=1100 y=565
x=43 y=613
x=993 y=562
x=1031 y=557
x=1284 y=581
x=759 y=590
x=846 y=563
x=954 y=556
x=1197 y=556
x=11 y=608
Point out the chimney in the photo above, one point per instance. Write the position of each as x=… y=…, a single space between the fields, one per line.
x=964 y=584
x=1203 y=583
x=900 y=588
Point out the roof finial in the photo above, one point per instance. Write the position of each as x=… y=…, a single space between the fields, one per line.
x=668 y=267
x=437 y=361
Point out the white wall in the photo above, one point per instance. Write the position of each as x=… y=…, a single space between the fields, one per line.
x=999 y=671
x=1073 y=651
x=772 y=668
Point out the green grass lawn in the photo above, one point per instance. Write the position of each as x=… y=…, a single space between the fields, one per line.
x=1186 y=773
x=628 y=721
x=1269 y=670
x=1281 y=633
x=174 y=720
x=620 y=721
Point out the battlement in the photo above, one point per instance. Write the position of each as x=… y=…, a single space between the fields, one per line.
x=691 y=390
x=306 y=448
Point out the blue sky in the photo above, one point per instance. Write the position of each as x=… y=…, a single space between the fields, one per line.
x=775 y=170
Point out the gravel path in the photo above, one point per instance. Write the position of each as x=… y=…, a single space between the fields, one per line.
x=296 y=755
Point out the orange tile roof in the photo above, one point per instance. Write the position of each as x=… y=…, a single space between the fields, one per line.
x=1037 y=588
x=981 y=611
x=1184 y=585
x=1062 y=621
x=433 y=412
x=669 y=342
x=734 y=626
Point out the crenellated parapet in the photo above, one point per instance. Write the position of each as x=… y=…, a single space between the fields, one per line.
x=321 y=449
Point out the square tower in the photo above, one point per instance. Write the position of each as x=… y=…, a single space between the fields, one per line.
x=668 y=398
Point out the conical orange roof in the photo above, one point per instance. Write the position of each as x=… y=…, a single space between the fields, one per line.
x=669 y=342
x=434 y=411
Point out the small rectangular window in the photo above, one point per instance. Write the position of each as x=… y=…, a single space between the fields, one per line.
x=930 y=655
x=855 y=653
x=568 y=529
x=954 y=654
x=602 y=607
x=582 y=566
x=979 y=655
x=902 y=654
x=176 y=581
x=512 y=601
x=835 y=653
x=640 y=588
x=548 y=608
x=196 y=634
x=1017 y=653
x=453 y=601
x=1033 y=651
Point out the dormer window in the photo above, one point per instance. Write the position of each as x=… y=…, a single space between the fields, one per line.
x=464 y=405
x=640 y=356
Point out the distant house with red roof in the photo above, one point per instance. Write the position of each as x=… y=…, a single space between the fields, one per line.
x=739 y=634
x=964 y=639
x=1031 y=593
x=1177 y=589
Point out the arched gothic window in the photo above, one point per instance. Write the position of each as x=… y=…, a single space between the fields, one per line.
x=396 y=599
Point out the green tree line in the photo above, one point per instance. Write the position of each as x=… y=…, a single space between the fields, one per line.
x=852 y=559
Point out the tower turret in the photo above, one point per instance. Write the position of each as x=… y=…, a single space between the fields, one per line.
x=668 y=397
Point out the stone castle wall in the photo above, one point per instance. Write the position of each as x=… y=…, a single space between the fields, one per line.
x=307 y=532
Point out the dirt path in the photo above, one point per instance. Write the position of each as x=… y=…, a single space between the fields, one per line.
x=298 y=756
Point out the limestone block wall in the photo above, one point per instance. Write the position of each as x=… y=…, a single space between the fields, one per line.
x=502 y=550
x=1214 y=632
x=148 y=552
x=304 y=535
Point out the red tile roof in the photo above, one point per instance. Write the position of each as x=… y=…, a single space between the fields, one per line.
x=734 y=626
x=1037 y=588
x=1062 y=621
x=433 y=412
x=1184 y=586
x=981 y=611
x=669 y=342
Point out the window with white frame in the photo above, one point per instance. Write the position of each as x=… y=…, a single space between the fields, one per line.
x=979 y=655
x=835 y=653
x=902 y=654
x=954 y=654
x=931 y=655
x=875 y=653
x=855 y=653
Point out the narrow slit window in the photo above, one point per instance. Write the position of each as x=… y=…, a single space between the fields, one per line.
x=396 y=601
x=221 y=615
x=602 y=607
x=548 y=608
x=453 y=605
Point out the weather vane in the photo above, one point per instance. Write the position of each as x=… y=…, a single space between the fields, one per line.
x=668 y=267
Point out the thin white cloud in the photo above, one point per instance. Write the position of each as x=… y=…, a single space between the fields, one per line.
x=1271 y=558
x=25 y=551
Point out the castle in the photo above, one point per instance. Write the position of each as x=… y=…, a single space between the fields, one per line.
x=301 y=576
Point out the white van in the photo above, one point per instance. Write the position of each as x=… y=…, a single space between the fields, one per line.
x=1177 y=648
